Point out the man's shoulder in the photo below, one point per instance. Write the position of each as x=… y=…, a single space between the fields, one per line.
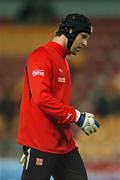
x=39 y=55
x=38 y=51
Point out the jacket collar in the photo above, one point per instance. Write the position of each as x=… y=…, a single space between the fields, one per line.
x=59 y=48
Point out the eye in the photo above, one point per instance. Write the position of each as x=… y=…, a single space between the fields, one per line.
x=84 y=36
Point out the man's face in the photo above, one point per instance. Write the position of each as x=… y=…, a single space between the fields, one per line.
x=79 y=42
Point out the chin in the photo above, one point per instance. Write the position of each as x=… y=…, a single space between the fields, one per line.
x=73 y=53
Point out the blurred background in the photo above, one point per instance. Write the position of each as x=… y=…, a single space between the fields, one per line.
x=95 y=72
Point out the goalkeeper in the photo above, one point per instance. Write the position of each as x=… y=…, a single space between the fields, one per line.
x=45 y=128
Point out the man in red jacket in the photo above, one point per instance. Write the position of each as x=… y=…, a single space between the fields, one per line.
x=45 y=115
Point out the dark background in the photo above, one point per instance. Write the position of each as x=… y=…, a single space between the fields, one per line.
x=95 y=72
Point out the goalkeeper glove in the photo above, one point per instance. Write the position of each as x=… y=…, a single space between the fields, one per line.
x=86 y=122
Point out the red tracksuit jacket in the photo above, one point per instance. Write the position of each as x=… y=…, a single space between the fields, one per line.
x=45 y=113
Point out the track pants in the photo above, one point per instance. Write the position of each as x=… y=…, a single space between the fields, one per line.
x=41 y=166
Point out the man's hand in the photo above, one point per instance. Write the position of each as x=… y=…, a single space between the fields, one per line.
x=86 y=122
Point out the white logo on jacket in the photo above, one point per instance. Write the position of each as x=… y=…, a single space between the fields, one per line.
x=38 y=72
x=69 y=115
x=61 y=79
x=60 y=70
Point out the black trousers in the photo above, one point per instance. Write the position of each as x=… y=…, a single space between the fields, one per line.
x=41 y=166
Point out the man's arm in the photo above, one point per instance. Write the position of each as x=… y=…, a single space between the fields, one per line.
x=40 y=76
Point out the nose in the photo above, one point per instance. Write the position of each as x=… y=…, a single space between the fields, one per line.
x=84 y=42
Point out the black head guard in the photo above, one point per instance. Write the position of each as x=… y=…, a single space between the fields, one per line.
x=72 y=25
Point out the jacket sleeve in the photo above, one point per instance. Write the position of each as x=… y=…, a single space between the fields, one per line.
x=40 y=76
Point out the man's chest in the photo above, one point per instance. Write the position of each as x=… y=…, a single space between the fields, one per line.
x=61 y=74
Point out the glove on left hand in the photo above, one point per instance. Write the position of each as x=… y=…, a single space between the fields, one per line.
x=87 y=122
